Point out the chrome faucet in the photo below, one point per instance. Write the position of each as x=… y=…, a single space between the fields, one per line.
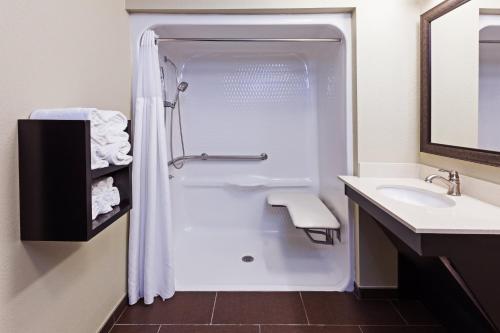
x=453 y=181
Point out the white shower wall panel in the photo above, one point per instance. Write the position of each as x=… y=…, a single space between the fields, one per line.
x=249 y=104
x=289 y=100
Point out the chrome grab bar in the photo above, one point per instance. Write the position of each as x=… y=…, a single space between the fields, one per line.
x=206 y=157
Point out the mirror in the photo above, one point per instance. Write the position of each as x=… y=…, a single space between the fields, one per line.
x=460 y=102
x=489 y=83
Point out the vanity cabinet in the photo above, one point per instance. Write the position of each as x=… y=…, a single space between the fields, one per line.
x=455 y=274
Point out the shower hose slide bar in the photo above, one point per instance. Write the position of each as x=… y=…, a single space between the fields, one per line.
x=206 y=157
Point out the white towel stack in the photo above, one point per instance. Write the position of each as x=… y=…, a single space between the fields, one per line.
x=104 y=196
x=109 y=141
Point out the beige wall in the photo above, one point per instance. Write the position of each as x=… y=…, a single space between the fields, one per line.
x=387 y=113
x=58 y=53
x=386 y=43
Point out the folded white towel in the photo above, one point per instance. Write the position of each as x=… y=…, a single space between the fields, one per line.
x=95 y=161
x=115 y=153
x=112 y=197
x=103 y=136
x=106 y=127
x=99 y=206
x=104 y=196
x=67 y=114
x=102 y=185
x=103 y=203
x=113 y=120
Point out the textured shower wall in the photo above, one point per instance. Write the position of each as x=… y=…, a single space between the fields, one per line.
x=243 y=103
x=249 y=103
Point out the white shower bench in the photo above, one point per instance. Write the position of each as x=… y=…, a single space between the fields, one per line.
x=308 y=213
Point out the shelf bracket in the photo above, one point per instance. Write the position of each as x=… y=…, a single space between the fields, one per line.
x=328 y=235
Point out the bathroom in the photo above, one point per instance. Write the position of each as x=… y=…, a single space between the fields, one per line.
x=290 y=144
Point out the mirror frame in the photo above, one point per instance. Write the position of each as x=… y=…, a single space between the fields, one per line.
x=426 y=145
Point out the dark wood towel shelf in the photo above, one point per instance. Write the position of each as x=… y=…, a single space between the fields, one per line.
x=103 y=221
x=98 y=173
x=55 y=182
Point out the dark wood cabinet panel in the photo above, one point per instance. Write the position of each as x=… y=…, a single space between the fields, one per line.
x=55 y=182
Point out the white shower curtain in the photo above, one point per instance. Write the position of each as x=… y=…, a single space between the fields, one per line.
x=150 y=267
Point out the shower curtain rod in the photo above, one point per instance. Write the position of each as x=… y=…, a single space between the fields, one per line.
x=336 y=40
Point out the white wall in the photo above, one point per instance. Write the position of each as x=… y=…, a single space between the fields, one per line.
x=54 y=54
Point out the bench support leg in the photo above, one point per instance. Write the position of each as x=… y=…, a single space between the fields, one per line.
x=327 y=233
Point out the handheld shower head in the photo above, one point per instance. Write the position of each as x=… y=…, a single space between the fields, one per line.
x=182 y=86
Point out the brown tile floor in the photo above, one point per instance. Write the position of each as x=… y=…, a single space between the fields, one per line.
x=276 y=312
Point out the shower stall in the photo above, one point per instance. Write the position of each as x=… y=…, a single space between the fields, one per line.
x=267 y=99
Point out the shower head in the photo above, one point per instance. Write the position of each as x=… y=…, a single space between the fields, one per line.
x=182 y=86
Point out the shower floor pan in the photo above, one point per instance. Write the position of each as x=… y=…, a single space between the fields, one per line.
x=281 y=262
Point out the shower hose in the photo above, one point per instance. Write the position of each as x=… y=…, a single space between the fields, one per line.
x=178 y=105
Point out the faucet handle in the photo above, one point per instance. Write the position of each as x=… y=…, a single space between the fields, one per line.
x=452 y=174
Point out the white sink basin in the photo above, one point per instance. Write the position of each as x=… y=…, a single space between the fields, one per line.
x=416 y=196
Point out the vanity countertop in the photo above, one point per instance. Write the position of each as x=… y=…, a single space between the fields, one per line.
x=467 y=216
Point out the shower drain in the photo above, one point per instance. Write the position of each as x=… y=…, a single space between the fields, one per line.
x=247 y=258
